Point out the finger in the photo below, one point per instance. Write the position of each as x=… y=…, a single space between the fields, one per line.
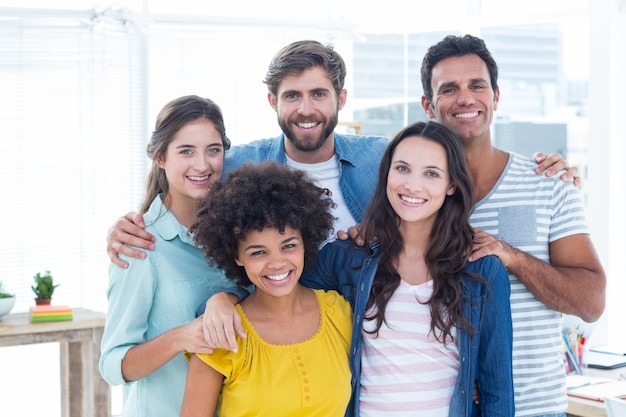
x=551 y=164
x=569 y=173
x=479 y=253
x=353 y=231
x=128 y=251
x=341 y=235
x=239 y=327
x=229 y=333
x=223 y=341
x=211 y=333
x=479 y=237
x=206 y=330
x=204 y=349
x=136 y=218
x=114 y=256
x=538 y=157
x=576 y=181
x=130 y=234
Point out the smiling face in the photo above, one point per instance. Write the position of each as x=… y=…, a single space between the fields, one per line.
x=193 y=160
x=463 y=98
x=272 y=260
x=307 y=108
x=418 y=180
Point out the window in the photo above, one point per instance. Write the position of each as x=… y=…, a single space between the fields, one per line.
x=72 y=112
x=81 y=88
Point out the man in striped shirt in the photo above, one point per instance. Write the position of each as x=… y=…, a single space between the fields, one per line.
x=533 y=223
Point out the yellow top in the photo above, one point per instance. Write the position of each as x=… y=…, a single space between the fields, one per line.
x=309 y=378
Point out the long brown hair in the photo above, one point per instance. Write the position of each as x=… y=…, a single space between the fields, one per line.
x=173 y=117
x=450 y=239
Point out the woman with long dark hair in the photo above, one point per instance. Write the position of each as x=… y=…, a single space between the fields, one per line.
x=428 y=324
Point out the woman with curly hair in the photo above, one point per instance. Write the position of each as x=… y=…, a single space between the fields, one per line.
x=263 y=225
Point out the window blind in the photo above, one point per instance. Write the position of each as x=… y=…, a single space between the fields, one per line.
x=80 y=92
x=73 y=120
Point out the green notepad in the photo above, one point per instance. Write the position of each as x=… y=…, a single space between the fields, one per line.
x=48 y=318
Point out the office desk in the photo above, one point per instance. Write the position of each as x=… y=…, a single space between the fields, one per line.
x=83 y=391
x=580 y=407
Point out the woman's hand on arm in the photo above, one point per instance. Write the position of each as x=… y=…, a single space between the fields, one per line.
x=128 y=230
x=221 y=322
x=143 y=359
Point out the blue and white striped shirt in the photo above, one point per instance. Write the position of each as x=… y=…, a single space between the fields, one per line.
x=529 y=211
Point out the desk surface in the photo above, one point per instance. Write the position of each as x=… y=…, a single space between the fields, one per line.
x=581 y=407
x=19 y=323
x=83 y=391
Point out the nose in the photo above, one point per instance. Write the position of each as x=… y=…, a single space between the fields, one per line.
x=201 y=163
x=465 y=97
x=306 y=106
x=413 y=183
x=276 y=261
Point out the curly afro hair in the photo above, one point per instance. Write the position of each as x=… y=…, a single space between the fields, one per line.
x=256 y=196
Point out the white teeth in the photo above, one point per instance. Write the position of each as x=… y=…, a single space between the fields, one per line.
x=277 y=277
x=307 y=125
x=412 y=200
x=466 y=115
x=203 y=178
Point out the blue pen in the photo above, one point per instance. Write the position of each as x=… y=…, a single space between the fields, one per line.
x=579 y=386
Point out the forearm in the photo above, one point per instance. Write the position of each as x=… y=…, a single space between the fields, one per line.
x=143 y=359
x=577 y=290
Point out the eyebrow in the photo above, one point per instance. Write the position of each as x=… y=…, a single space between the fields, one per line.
x=447 y=85
x=262 y=246
x=400 y=161
x=314 y=90
x=454 y=83
x=184 y=145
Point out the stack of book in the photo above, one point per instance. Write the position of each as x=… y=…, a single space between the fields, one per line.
x=45 y=313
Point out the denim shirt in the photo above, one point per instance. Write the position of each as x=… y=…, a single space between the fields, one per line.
x=484 y=357
x=359 y=158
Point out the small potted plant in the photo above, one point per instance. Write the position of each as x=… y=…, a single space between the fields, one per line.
x=44 y=288
x=7 y=301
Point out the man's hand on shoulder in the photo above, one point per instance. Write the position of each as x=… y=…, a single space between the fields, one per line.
x=354 y=233
x=553 y=163
x=486 y=244
x=128 y=230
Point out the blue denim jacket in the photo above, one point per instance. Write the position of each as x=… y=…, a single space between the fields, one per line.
x=484 y=357
x=359 y=158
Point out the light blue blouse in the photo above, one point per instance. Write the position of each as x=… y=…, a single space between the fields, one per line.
x=149 y=298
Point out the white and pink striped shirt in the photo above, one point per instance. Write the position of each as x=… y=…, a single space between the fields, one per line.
x=405 y=369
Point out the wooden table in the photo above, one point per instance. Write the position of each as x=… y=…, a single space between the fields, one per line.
x=580 y=407
x=83 y=392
